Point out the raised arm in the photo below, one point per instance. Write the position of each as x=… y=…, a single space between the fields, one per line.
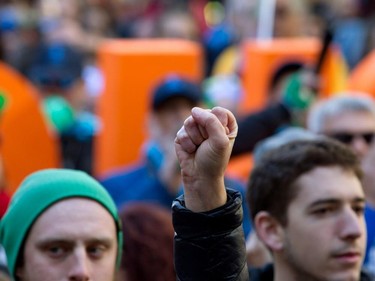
x=209 y=243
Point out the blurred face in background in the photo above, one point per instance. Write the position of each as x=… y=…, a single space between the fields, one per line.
x=354 y=128
x=169 y=117
x=291 y=18
x=242 y=16
x=177 y=24
x=346 y=8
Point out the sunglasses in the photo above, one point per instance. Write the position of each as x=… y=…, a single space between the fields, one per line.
x=348 y=138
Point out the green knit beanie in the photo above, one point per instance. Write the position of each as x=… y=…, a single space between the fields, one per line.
x=39 y=191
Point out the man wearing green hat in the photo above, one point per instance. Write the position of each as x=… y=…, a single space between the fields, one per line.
x=61 y=225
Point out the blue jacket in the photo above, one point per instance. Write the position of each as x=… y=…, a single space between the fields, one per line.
x=369 y=261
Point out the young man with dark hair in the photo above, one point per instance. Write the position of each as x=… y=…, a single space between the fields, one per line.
x=350 y=119
x=306 y=201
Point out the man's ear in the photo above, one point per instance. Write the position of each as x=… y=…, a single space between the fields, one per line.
x=270 y=231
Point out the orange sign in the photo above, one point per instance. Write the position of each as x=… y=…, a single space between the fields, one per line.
x=27 y=143
x=131 y=69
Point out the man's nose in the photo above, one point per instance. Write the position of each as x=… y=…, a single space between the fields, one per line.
x=352 y=225
x=360 y=146
x=79 y=266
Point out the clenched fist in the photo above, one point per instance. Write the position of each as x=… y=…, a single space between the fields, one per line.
x=203 y=146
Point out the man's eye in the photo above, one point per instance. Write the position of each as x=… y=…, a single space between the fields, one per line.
x=56 y=251
x=323 y=211
x=359 y=210
x=96 y=251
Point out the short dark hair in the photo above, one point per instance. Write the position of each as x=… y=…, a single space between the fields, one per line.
x=271 y=185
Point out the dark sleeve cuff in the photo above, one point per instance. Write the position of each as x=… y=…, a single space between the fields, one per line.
x=190 y=225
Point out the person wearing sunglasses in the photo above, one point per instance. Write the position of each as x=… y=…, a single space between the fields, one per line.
x=350 y=138
x=350 y=119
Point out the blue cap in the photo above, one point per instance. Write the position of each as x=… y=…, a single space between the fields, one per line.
x=175 y=86
x=56 y=64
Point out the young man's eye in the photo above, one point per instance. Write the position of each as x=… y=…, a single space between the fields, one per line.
x=359 y=210
x=323 y=211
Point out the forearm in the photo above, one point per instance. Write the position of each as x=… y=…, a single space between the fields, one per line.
x=210 y=245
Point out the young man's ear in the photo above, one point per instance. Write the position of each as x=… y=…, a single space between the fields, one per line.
x=269 y=231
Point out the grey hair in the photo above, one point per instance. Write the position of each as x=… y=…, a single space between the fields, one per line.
x=346 y=102
x=283 y=137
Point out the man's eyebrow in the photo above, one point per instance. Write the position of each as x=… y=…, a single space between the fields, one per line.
x=105 y=241
x=53 y=241
x=334 y=201
x=69 y=242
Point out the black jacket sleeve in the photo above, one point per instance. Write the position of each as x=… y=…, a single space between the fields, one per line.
x=210 y=245
x=258 y=126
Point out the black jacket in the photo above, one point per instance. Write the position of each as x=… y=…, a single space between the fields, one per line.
x=211 y=246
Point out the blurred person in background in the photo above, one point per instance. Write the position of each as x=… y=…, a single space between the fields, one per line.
x=69 y=22
x=292 y=90
x=292 y=19
x=19 y=31
x=223 y=90
x=221 y=41
x=157 y=177
x=350 y=30
x=148 y=243
x=177 y=22
x=57 y=70
x=352 y=22
x=136 y=19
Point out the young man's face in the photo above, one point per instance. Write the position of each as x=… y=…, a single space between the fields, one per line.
x=75 y=239
x=325 y=235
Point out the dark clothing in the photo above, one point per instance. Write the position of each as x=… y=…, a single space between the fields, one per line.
x=77 y=153
x=211 y=245
x=258 y=126
x=262 y=274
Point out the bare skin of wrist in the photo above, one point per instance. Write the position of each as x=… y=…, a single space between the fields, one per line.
x=205 y=196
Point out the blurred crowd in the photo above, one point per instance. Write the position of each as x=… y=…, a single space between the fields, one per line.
x=82 y=25
x=54 y=44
